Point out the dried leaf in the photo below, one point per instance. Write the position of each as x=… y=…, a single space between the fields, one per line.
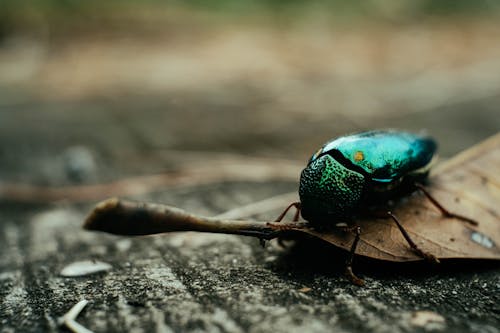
x=468 y=184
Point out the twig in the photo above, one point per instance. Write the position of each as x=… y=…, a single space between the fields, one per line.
x=251 y=169
x=130 y=218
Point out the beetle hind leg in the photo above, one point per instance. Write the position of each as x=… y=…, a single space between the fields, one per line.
x=426 y=255
x=444 y=211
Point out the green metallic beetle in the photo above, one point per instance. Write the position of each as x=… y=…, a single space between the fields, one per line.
x=354 y=173
x=361 y=170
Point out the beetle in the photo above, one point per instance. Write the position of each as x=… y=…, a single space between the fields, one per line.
x=362 y=172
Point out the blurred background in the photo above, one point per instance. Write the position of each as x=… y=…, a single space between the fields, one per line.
x=92 y=91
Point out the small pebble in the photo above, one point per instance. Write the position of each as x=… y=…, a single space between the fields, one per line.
x=85 y=267
x=79 y=163
x=123 y=245
x=428 y=320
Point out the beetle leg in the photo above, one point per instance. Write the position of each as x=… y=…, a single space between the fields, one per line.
x=444 y=211
x=297 y=213
x=295 y=219
x=262 y=242
x=348 y=263
x=426 y=255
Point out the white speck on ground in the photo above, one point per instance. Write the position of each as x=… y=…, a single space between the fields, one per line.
x=85 y=267
x=430 y=321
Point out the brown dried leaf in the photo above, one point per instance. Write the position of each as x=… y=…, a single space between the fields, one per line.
x=468 y=184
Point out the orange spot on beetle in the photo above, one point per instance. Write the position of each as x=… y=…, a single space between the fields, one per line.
x=358 y=156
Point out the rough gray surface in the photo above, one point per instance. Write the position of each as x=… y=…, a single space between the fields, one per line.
x=216 y=283
x=219 y=283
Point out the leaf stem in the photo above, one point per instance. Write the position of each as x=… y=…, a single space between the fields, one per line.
x=121 y=217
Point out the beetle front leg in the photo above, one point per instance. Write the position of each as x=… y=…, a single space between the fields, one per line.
x=284 y=227
x=295 y=218
x=444 y=211
x=348 y=263
x=297 y=212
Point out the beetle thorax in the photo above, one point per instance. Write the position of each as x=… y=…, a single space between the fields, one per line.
x=328 y=190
